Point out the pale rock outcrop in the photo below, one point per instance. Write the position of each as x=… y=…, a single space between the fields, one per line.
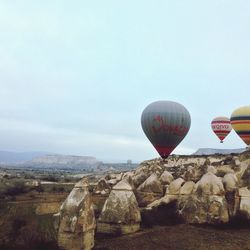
x=236 y=161
x=166 y=178
x=245 y=173
x=149 y=191
x=230 y=181
x=211 y=169
x=76 y=221
x=244 y=194
x=206 y=188
x=187 y=188
x=207 y=204
x=128 y=175
x=157 y=169
x=102 y=187
x=139 y=178
x=174 y=187
x=190 y=174
x=223 y=169
x=172 y=194
x=209 y=184
x=112 y=182
x=120 y=213
x=151 y=185
x=129 y=180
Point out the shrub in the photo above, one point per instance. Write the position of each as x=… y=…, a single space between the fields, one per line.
x=50 y=178
x=15 y=189
x=39 y=189
x=58 y=189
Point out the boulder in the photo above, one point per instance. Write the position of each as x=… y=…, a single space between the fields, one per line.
x=204 y=209
x=151 y=185
x=209 y=184
x=207 y=204
x=175 y=186
x=189 y=174
x=166 y=178
x=187 y=188
x=149 y=191
x=224 y=169
x=175 y=189
x=102 y=187
x=211 y=169
x=230 y=181
x=244 y=209
x=112 y=182
x=139 y=178
x=120 y=213
x=245 y=177
x=76 y=221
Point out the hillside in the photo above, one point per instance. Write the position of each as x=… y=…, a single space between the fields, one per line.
x=64 y=161
x=211 y=151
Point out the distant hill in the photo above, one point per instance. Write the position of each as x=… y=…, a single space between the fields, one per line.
x=211 y=151
x=64 y=161
x=50 y=161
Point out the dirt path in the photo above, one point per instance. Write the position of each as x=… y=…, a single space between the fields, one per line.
x=179 y=237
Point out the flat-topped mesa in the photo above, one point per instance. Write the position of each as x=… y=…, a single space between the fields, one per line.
x=120 y=213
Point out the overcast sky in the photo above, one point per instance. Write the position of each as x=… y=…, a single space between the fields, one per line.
x=75 y=76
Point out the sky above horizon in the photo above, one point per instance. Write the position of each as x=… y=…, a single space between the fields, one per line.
x=76 y=76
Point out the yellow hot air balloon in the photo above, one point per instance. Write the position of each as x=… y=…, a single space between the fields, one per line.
x=240 y=121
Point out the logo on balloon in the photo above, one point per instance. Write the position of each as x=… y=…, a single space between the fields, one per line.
x=160 y=125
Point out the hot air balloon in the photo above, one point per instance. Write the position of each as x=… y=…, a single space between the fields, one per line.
x=221 y=126
x=240 y=120
x=165 y=124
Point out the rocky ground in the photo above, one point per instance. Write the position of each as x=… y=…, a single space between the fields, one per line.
x=26 y=222
x=181 y=236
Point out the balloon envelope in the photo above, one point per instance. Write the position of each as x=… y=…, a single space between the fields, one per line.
x=165 y=124
x=221 y=126
x=240 y=120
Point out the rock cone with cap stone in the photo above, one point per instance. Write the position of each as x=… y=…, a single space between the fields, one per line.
x=120 y=213
x=76 y=221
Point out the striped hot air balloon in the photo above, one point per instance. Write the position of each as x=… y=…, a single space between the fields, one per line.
x=165 y=124
x=240 y=120
x=221 y=126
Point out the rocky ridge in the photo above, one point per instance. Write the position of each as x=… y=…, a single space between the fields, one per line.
x=213 y=189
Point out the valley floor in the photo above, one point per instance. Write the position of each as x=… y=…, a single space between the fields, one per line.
x=180 y=237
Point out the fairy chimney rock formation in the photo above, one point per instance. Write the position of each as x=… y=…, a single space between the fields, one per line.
x=120 y=213
x=76 y=221
x=166 y=178
x=207 y=204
